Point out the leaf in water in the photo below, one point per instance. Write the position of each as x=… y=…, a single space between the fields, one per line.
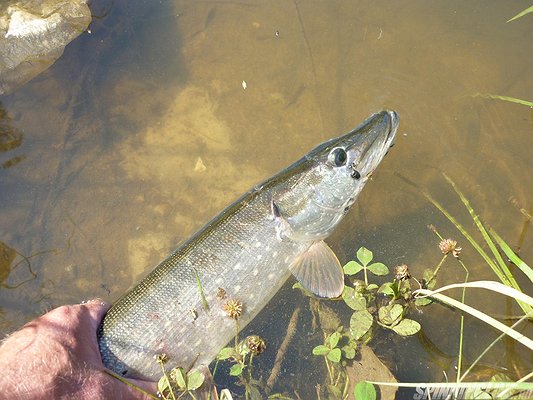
x=349 y=352
x=162 y=384
x=360 y=323
x=387 y=289
x=321 y=350
x=364 y=391
x=225 y=353
x=372 y=286
x=235 y=370
x=378 y=269
x=352 y=267
x=334 y=392
x=335 y=355
x=431 y=281
x=407 y=327
x=521 y=14
x=278 y=396
x=423 y=301
x=354 y=300
x=334 y=339
x=389 y=315
x=364 y=255
x=195 y=379
x=178 y=375
x=253 y=393
x=505 y=98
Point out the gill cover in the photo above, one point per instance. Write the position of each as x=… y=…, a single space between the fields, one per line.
x=315 y=200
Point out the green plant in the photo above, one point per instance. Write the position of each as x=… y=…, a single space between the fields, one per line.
x=364 y=256
x=521 y=14
x=241 y=356
x=178 y=381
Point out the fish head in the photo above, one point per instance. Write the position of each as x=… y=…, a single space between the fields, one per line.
x=325 y=183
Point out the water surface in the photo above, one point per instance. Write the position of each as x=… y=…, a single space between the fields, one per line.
x=164 y=112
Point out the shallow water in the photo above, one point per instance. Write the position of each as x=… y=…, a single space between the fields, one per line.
x=142 y=131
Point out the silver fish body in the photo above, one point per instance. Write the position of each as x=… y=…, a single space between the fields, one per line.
x=246 y=253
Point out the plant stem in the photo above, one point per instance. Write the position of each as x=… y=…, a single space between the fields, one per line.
x=330 y=372
x=236 y=333
x=490 y=346
x=168 y=380
x=437 y=269
x=461 y=330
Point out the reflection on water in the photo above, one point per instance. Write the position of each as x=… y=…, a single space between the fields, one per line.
x=143 y=131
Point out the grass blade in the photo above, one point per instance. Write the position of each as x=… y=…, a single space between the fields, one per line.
x=524 y=340
x=512 y=255
x=521 y=14
x=505 y=98
x=499 y=266
x=489 y=285
x=469 y=237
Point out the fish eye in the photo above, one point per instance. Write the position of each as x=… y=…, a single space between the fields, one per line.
x=338 y=156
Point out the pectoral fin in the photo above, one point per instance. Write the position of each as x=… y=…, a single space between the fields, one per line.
x=319 y=271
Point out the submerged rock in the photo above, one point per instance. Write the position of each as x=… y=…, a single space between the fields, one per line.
x=368 y=367
x=33 y=35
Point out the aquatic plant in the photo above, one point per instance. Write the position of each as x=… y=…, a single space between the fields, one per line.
x=501 y=386
x=521 y=14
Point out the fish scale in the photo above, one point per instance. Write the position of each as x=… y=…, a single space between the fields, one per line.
x=249 y=250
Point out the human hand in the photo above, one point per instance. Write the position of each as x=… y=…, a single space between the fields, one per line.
x=56 y=356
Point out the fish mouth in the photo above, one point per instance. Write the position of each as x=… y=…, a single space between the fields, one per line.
x=378 y=137
x=394 y=122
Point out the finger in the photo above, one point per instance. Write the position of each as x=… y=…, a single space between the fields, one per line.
x=97 y=309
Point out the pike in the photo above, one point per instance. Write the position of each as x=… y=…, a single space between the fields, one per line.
x=246 y=253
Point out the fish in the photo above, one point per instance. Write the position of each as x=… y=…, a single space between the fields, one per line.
x=236 y=263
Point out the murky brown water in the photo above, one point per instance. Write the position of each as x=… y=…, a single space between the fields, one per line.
x=143 y=131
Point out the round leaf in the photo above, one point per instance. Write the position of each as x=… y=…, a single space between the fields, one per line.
x=162 y=384
x=352 y=268
x=389 y=315
x=253 y=393
x=225 y=353
x=364 y=391
x=335 y=355
x=387 y=289
x=349 y=352
x=353 y=299
x=423 y=301
x=407 y=327
x=360 y=323
x=378 y=269
x=372 y=286
x=195 y=379
x=321 y=350
x=334 y=392
x=364 y=255
x=179 y=377
x=235 y=370
x=334 y=339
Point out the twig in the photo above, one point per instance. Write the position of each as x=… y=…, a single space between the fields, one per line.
x=291 y=329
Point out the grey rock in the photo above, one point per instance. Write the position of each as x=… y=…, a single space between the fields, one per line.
x=33 y=35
